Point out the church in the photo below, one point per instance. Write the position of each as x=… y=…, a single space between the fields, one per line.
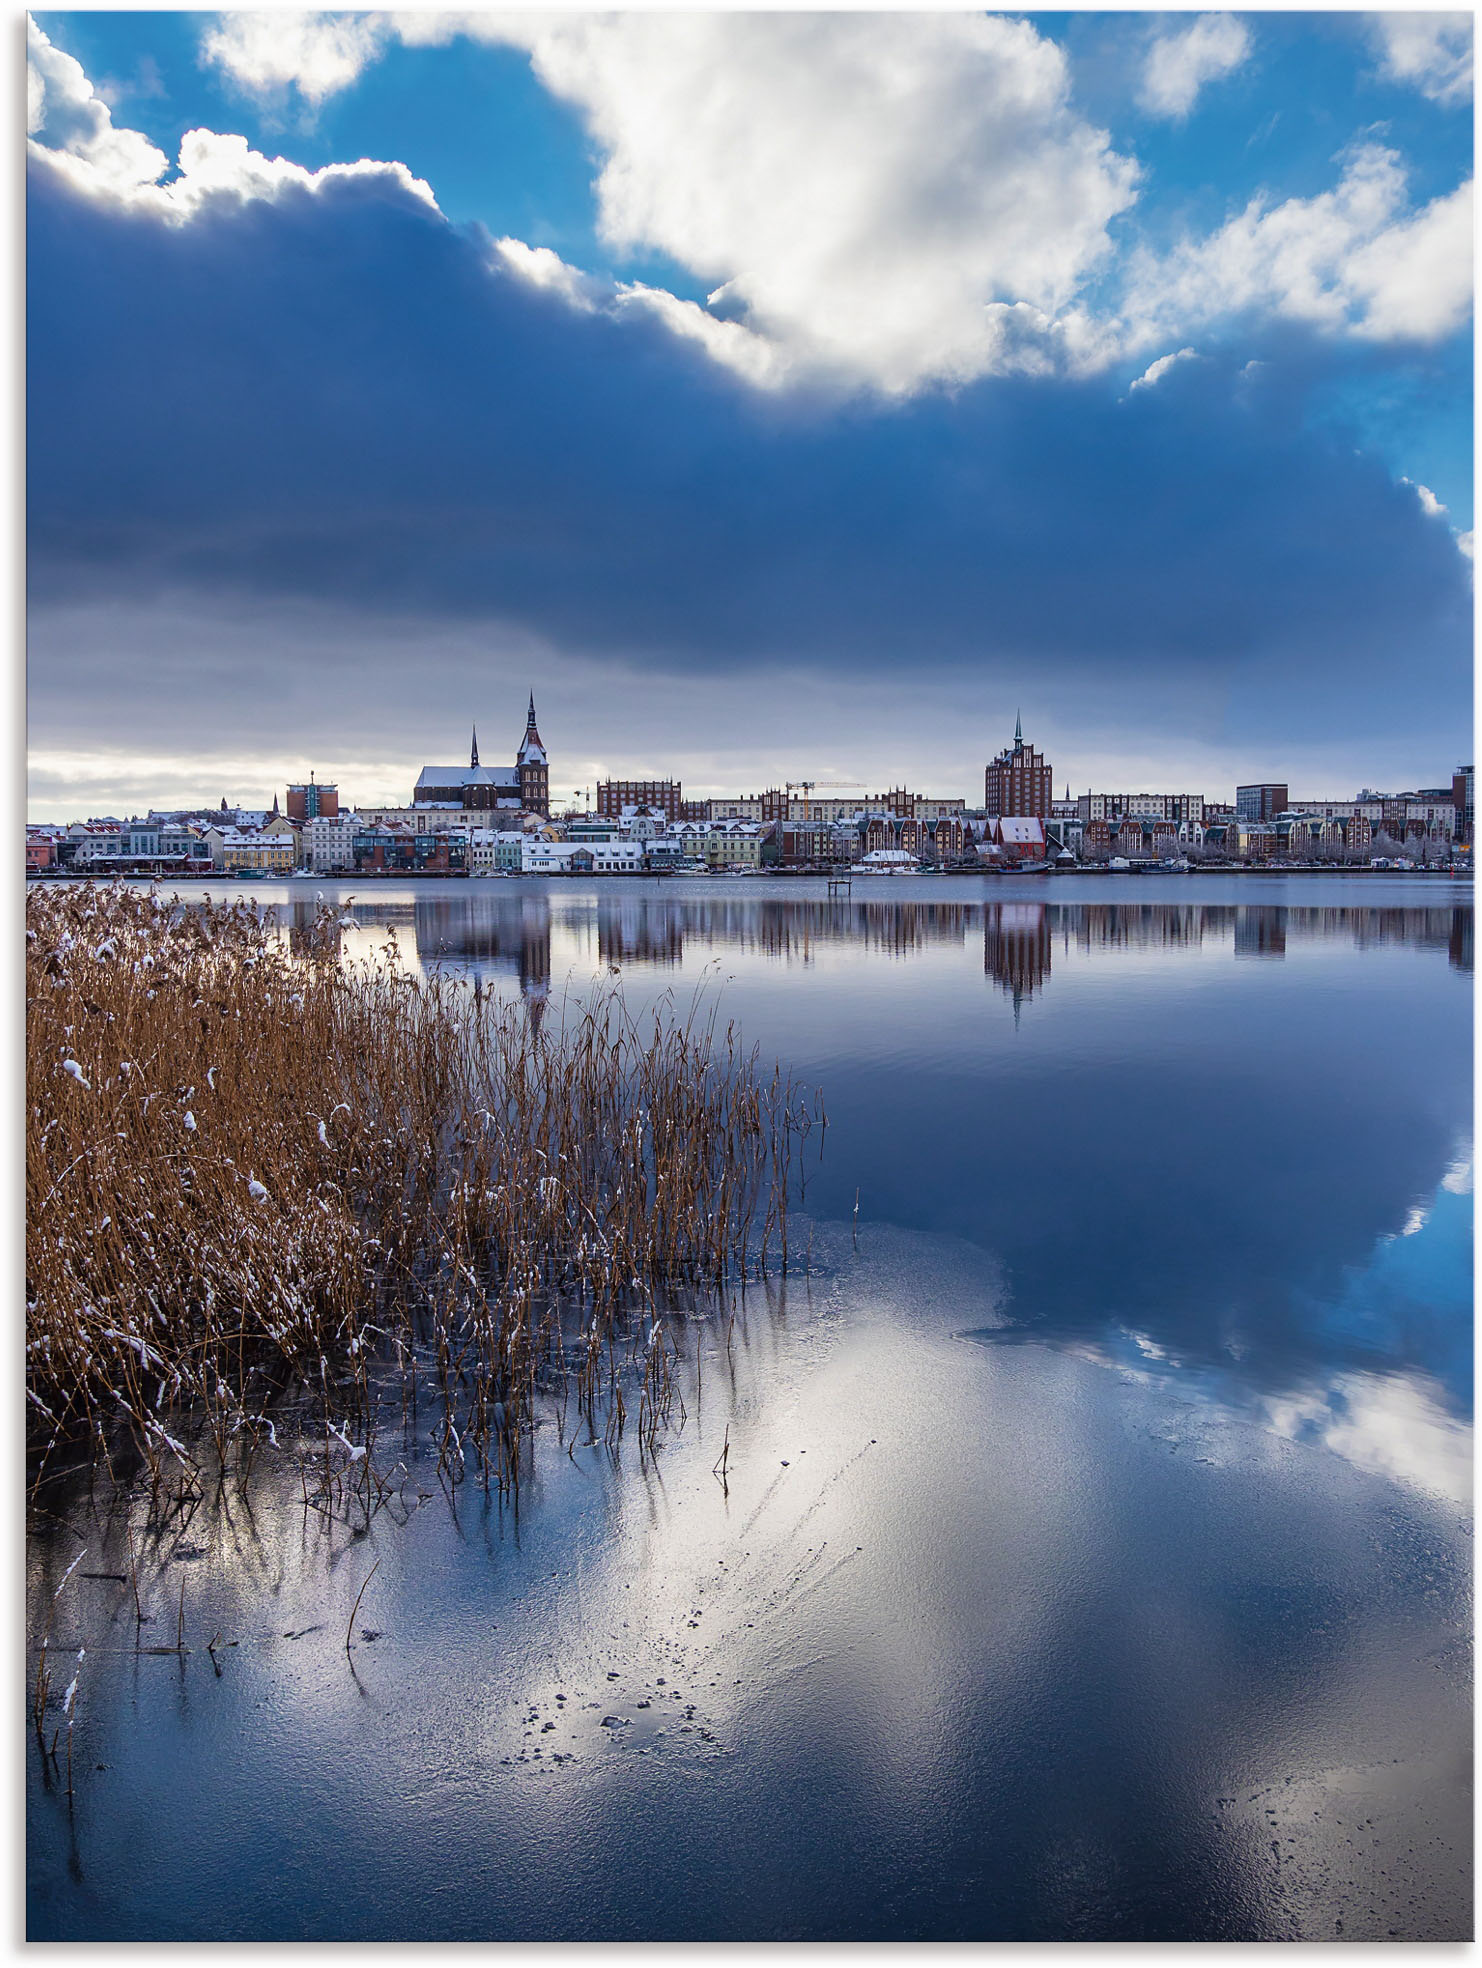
x=521 y=787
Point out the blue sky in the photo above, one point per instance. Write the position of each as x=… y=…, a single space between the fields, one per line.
x=779 y=395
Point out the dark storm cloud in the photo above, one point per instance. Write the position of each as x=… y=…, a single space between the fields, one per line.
x=330 y=396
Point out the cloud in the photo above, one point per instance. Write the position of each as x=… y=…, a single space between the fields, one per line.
x=1433 y=508
x=725 y=342
x=1164 y=363
x=71 y=133
x=1349 y=261
x=898 y=201
x=1431 y=52
x=64 y=112
x=1398 y=1425
x=1429 y=503
x=363 y=405
x=869 y=192
x=317 y=54
x=1180 y=63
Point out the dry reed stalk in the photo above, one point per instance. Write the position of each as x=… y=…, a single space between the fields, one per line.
x=250 y=1168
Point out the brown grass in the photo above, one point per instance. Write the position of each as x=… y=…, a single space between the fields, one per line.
x=250 y=1171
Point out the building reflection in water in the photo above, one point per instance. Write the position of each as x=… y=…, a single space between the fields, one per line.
x=1459 y=943
x=1016 y=948
x=490 y=938
x=638 y=929
x=509 y=935
x=1260 y=932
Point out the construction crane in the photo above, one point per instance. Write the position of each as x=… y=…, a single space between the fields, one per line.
x=807 y=786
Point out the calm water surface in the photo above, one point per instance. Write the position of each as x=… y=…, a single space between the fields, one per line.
x=1095 y=1556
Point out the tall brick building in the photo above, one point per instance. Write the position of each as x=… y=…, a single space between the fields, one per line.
x=313 y=802
x=1018 y=782
x=614 y=794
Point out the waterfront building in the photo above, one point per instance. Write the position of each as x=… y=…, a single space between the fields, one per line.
x=614 y=795
x=1019 y=781
x=238 y=852
x=1261 y=802
x=1259 y=840
x=492 y=853
x=312 y=802
x=1461 y=799
x=397 y=850
x=1014 y=837
x=41 y=850
x=1182 y=807
x=732 y=847
x=523 y=786
x=327 y=842
x=593 y=857
x=778 y=805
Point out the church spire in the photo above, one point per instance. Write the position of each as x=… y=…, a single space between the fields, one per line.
x=1018 y=730
x=530 y=719
x=473 y=757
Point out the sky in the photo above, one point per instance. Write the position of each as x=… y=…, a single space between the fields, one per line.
x=777 y=395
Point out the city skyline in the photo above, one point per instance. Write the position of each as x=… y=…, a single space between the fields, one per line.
x=1120 y=370
x=565 y=794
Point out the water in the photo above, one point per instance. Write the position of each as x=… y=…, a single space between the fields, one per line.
x=1094 y=1559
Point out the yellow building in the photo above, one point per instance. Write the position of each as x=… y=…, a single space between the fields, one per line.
x=264 y=854
x=731 y=850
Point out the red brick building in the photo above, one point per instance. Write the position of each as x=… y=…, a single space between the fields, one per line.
x=614 y=794
x=1018 y=782
x=313 y=802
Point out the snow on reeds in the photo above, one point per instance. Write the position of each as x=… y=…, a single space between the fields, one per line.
x=250 y=1170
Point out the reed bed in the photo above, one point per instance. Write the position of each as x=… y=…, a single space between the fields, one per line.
x=265 y=1184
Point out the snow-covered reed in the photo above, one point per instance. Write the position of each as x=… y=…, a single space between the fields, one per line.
x=251 y=1170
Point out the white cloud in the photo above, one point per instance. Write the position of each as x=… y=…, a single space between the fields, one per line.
x=868 y=192
x=886 y=200
x=1433 y=508
x=1179 y=64
x=1164 y=363
x=538 y=266
x=1394 y=1425
x=71 y=130
x=863 y=188
x=315 y=53
x=64 y=112
x=1348 y=260
x=1414 y=278
x=1430 y=505
x=1431 y=51
x=726 y=342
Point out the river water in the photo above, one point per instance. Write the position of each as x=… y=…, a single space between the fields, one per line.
x=1093 y=1560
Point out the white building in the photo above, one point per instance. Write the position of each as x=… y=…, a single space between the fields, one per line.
x=564 y=857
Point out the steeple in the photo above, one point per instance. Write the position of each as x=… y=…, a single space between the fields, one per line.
x=534 y=768
x=531 y=749
x=1018 y=732
x=473 y=756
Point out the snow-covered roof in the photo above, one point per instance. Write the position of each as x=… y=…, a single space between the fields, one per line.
x=469 y=775
x=1023 y=829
